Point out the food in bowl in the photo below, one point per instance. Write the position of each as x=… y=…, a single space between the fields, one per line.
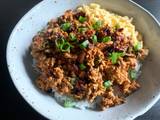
x=89 y=54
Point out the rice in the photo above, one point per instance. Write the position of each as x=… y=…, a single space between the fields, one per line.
x=96 y=13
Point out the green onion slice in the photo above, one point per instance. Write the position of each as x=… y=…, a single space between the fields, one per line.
x=84 y=44
x=114 y=56
x=138 y=46
x=68 y=103
x=133 y=74
x=65 y=26
x=82 y=29
x=97 y=25
x=72 y=37
x=59 y=42
x=107 y=84
x=82 y=67
x=63 y=45
x=106 y=39
x=82 y=19
x=94 y=39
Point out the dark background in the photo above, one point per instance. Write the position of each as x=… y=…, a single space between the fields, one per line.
x=12 y=105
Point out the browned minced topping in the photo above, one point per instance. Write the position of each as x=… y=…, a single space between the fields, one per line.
x=85 y=61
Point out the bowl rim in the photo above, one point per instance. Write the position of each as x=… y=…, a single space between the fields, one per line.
x=12 y=75
x=158 y=23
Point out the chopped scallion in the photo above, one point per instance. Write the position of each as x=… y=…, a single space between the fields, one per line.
x=82 y=66
x=82 y=29
x=133 y=74
x=107 y=84
x=138 y=46
x=68 y=103
x=94 y=39
x=65 y=26
x=59 y=42
x=97 y=25
x=82 y=19
x=65 y=47
x=106 y=39
x=72 y=37
x=114 y=56
x=84 y=44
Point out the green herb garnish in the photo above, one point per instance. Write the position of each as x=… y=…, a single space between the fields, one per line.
x=97 y=25
x=63 y=45
x=107 y=84
x=106 y=39
x=94 y=39
x=66 y=47
x=114 y=56
x=82 y=29
x=65 y=26
x=82 y=19
x=133 y=74
x=72 y=37
x=69 y=103
x=59 y=42
x=82 y=67
x=138 y=46
x=84 y=44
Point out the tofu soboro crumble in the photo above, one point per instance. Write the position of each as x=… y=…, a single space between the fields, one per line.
x=89 y=53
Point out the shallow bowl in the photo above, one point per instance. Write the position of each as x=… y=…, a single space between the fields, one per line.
x=20 y=62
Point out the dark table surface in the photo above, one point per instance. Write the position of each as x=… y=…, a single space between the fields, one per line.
x=12 y=105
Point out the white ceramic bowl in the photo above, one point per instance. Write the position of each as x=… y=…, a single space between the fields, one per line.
x=20 y=62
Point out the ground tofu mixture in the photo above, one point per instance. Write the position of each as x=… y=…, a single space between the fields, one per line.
x=89 y=53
